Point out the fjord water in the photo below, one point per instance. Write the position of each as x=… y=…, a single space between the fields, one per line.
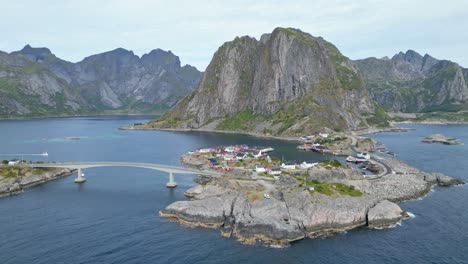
x=113 y=217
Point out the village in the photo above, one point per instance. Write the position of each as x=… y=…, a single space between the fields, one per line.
x=255 y=163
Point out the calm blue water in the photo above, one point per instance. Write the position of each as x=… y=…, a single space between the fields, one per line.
x=113 y=218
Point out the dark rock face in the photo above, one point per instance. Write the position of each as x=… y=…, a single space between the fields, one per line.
x=33 y=81
x=287 y=82
x=410 y=82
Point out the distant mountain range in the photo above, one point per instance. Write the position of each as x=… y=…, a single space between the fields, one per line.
x=34 y=82
x=409 y=82
x=288 y=82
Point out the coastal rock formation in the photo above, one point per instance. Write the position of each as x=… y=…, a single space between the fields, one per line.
x=287 y=217
x=278 y=211
x=383 y=214
x=441 y=139
x=28 y=178
x=409 y=82
x=289 y=82
x=366 y=144
x=34 y=82
x=442 y=179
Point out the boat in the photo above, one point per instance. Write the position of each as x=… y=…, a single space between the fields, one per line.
x=373 y=168
x=350 y=159
x=45 y=154
x=266 y=150
x=359 y=160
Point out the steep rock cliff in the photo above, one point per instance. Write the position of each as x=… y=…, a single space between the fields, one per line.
x=289 y=82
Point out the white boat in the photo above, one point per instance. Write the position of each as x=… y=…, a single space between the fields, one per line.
x=350 y=159
x=359 y=159
x=266 y=150
x=45 y=154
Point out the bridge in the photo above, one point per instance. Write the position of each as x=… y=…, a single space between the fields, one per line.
x=159 y=167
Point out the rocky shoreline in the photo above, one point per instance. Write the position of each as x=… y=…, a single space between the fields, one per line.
x=238 y=206
x=15 y=185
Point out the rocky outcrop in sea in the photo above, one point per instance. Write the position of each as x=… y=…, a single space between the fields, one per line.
x=441 y=139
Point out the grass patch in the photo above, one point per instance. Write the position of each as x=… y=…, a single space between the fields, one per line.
x=239 y=121
x=10 y=172
x=379 y=118
x=330 y=188
x=332 y=163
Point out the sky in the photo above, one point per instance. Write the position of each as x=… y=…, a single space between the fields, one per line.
x=193 y=30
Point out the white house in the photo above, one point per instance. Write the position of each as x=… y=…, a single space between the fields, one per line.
x=274 y=171
x=288 y=166
x=260 y=168
x=363 y=155
x=13 y=162
x=241 y=156
x=230 y=149
x=228 y=157
x=323 y=135
x=205 y=150
x=306 y=165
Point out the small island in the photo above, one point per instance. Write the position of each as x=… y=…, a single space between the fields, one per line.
x=16 y=175
x=264 y=199
x=441 y=139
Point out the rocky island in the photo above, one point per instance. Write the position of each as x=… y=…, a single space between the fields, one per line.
x=441 y=139
x=278 y=208
x=14 y=179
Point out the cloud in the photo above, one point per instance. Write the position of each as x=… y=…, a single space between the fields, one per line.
x=194 y=30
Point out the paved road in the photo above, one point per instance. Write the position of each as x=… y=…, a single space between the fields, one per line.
x=152 y=166
x=386 y=169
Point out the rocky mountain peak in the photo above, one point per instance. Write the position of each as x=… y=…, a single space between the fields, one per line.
x=159 y=57
x=287 y=76
x=411 y=57
x=34 y=54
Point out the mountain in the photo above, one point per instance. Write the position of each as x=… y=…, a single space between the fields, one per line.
x=409 y=82
x=34 y=82
x=288 y=82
